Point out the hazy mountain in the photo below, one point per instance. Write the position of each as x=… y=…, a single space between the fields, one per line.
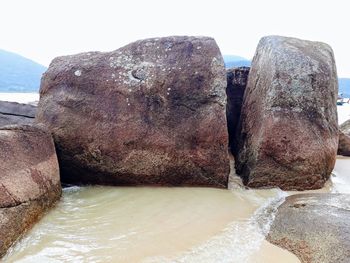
x=19 y=74
x=232 y=61
x=344 y=87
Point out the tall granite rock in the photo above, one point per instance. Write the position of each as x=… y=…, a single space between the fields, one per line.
x=29 y=180
x=149 y=113
x=288 y=129
x=16 y=113
x=237 y=79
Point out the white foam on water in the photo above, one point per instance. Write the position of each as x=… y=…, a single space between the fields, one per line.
x=239 y=240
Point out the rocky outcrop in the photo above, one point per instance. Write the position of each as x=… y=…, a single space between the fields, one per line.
x=16 y=113
x=29 y=180
x=344 y=139
x=345 y=127
x=289 y=130
x=344 y=144
x=149 y=113
x=237 y=79
x=315 y=227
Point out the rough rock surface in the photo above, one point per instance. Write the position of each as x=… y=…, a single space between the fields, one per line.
x=315 y=227
x=288 y=129
x=345 y=127
x=237 y=79
x=29 y=180
x=344 y=144
x=16 y=113
x=149 y=113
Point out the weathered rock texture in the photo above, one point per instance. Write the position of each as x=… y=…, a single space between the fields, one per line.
x=344 y=144
x=289 y=130
x=345 y=127
x=237 y=79
x=149 y=113
x=344 y=139
x=16 y=113
x=315 y=227
x=29 y=180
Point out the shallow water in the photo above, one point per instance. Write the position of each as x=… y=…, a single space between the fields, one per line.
x=100 y=224
x=130 y=224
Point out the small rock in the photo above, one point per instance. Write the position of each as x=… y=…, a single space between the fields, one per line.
x=345 y=127
x=29 y=180
x=16 y=113
x=344 y=144
x=315 y=227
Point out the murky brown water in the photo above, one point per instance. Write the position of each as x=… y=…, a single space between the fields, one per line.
x=113 y=224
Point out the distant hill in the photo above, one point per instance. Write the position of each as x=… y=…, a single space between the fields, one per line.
x=344 y=87
x=232 y=61
x=19 y=74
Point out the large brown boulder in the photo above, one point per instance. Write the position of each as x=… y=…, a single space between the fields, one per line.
x=16 y=113
x=29 y=180
x=149 y=113
x=315 y=227
x=289 y=130
x=237 y=79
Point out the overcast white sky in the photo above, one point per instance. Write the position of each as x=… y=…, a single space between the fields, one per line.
x=44 y=29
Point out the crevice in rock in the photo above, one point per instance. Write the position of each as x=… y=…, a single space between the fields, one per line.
x=17 y=115
x=15 y=201
x=237 y=79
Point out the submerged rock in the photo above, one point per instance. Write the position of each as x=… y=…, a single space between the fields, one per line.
x=149 y=113
x=289 y=130
x=16 y=113
x=29 y=180
x=237 y=79
x=315 y=227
